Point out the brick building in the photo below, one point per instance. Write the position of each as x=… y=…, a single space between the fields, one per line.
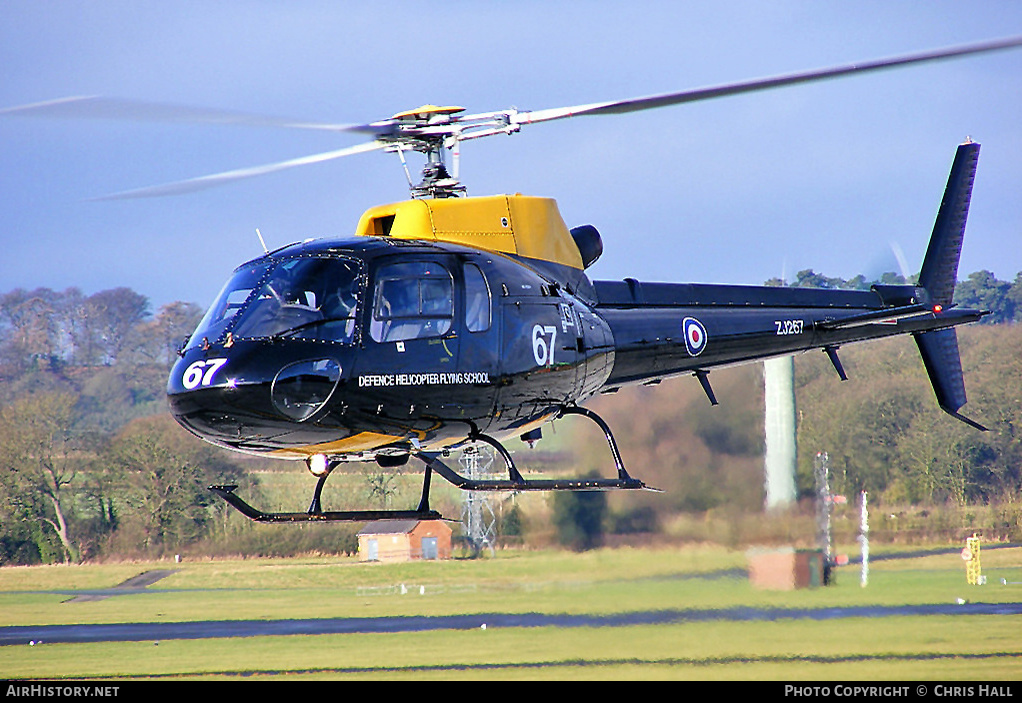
x=404 y=540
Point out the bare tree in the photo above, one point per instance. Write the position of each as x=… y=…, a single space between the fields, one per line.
x=38 y=460
x=109 y=318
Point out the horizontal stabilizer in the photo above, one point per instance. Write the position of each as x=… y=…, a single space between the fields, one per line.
x=886 y=316
x=939 y=349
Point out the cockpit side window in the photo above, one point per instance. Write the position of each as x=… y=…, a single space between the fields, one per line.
x=412 y=300
x=303 y=298
x=477 y=300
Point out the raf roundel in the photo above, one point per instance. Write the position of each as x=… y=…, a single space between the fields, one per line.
x=695 y=336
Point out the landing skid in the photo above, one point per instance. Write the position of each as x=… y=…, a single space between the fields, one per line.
x=434 y=462
x=227 y=493
x=315 y=513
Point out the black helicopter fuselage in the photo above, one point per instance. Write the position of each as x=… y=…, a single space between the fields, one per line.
x=489 y=346
x=543 y=348
x=384 y=346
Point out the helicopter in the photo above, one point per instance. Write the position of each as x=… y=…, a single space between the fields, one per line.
x=446 y=321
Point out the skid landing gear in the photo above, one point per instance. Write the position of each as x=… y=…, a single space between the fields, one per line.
x=433 y=461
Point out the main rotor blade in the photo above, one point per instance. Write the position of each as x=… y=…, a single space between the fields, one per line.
x=103 y=108
x=203 y=182
x=655 y=101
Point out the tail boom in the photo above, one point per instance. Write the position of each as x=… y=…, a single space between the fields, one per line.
x=650 y=322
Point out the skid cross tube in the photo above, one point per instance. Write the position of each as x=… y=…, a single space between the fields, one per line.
x=515 y=481
x=512 y=470
x=585 y=412
x=316 y=507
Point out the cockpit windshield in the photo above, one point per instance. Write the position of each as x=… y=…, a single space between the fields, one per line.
x=302 y=297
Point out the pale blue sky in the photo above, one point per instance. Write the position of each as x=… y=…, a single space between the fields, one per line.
x=733 y=190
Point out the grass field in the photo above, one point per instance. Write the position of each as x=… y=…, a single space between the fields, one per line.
x=932 y=648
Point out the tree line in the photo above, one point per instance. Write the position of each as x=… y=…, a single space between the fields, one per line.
x=89 y=460
x=980 y=290
x=43 y=328
x=91 y=464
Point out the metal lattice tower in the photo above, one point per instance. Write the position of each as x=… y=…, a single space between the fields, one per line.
x=477 y=514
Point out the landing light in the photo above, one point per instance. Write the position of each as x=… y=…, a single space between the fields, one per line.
x=318 y=465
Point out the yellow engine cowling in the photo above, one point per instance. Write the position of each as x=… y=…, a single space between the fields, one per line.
x=520 y=225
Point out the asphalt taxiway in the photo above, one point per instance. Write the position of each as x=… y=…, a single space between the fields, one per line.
x=157 y=631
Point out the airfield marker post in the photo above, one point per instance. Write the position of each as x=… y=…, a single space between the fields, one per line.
x=971 y=555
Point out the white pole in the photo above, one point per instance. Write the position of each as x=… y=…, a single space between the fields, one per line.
x=864 y=541
x=779 y=423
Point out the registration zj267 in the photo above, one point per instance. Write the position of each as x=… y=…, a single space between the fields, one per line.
x=785 y=327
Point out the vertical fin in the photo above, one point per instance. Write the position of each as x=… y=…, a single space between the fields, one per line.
x=940 y=266
x=939 y=349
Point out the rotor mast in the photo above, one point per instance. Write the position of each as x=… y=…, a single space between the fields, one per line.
x=433 y=130
x=437 y=181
